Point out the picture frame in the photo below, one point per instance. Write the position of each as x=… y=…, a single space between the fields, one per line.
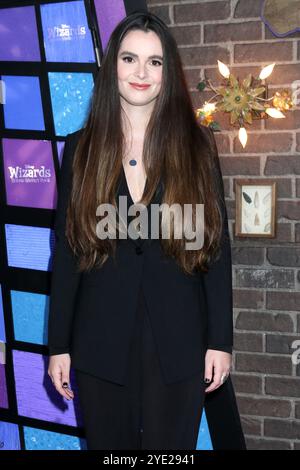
x=255 y=207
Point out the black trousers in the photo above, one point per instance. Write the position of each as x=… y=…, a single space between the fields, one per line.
x=145 y=413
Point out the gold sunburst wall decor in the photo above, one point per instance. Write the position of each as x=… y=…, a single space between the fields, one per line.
x=245 y=100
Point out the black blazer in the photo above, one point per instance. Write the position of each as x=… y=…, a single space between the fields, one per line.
x=91 y=315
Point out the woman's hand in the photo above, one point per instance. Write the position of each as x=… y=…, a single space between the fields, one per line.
x=217 y=364
x=59 y=372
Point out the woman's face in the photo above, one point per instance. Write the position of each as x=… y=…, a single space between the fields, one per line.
x=140 y=60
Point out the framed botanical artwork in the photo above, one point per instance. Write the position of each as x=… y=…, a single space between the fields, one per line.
x=255 y=207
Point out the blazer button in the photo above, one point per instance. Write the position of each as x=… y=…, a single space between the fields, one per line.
x=138 y=250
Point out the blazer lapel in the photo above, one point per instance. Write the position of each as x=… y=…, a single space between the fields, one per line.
x=123 y=190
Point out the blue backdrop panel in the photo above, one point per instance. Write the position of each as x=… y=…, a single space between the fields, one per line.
x=29 y=247
x=9 y=436
x=23 y=108
x=67 y=37
x=30 y=316
x=39 y=439
x=70 y=96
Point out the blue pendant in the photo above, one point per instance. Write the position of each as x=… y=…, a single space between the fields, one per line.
x=132 y=162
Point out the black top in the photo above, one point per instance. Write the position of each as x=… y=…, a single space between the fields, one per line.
x=91 y=315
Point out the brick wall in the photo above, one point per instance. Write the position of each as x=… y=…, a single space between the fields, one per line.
x=266 y=272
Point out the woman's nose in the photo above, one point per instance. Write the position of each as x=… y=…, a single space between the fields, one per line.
x=141 y=70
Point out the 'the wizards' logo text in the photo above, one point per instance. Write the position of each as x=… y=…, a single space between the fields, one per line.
x=65 y=31
x=29 y=171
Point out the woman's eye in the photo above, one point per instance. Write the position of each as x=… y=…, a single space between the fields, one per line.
x=153 y=61
x=157 y=61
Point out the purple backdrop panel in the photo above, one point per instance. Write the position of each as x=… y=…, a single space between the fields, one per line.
x=109 y=14
x=60 y=150
x=18 y=34
x=36 y=396
x=29 y=173
x=3 y=388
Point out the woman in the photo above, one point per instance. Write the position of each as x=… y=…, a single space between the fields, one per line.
x=145 y=322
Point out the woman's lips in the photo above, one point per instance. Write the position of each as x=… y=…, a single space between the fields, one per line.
x=139 y=87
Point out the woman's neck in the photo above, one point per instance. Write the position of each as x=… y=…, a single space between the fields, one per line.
x=135 y=119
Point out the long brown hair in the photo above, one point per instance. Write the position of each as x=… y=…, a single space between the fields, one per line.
x=176 y=148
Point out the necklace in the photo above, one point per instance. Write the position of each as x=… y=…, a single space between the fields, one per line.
x=132 y=162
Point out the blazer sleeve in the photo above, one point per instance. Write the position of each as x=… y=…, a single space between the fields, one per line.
x=218 y=280
x=64 y=279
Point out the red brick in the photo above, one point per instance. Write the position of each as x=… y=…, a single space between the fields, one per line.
x=232 y=32
x=252 y=426
x=247 y=383
x=284 y=187
x=267 y=444
x=280 y=344
x=264 y=407
x=244 y=166
x=203 y=55
x=247 y=255
x=262 y=142
x=264 y=278
x=298 y=142
x=222 y=141
x=289 y=210
x=284 y=256
x=283 y=300
x=186 y=34
x=245 y=298
x=291 y=120
x=245 y=9
x=280 y=428
x=282 y=386
x=162 y=12
x=262 y=363
x=297 y=232
x=284 y=74
x=263 y=52
x=192 y=77
x=282 y=165
x=248 y=342
x=297 y=410
x=264 y=321
x=193 y=12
